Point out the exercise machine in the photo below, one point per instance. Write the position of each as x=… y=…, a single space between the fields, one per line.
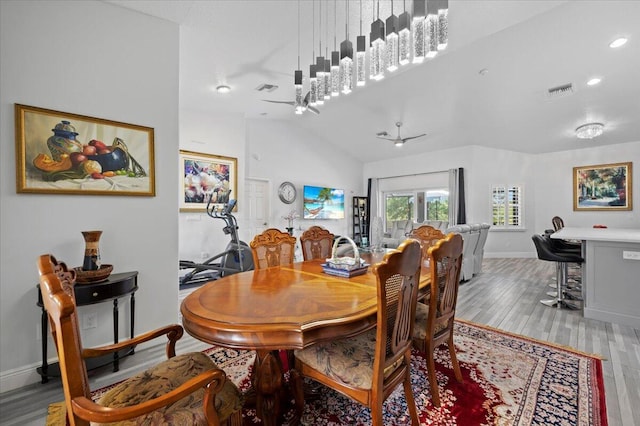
x=236 y=258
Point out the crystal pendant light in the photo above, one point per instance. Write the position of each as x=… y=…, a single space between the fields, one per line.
x=320 y=65
x=346 y=59
x=418 y=30
x=335 y=56
x=313 y=86
x=327 y=78
x=443 y=24
x=391 y=54
x=297 y=75
x=361 y=54
x=431 y=30
x=404 y=37
x=378 y=48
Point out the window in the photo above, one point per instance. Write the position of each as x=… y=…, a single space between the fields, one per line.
x=507 y=206
x=398 y=206
x=415 y=206
x=437 y=205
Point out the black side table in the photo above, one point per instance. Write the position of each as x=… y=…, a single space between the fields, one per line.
x=116 y=286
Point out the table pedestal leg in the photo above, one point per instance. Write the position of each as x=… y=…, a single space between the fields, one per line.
x=267 y=383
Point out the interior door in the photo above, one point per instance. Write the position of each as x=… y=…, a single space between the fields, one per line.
x=258 y=200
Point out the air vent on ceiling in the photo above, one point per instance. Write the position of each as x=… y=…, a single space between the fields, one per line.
x=560 y=91
x=266 y=88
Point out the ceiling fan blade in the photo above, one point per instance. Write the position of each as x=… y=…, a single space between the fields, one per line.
x=387 y=139
x=413 y=137
x=313 y=109
x=292 y=103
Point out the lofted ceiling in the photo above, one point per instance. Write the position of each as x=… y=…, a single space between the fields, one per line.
x=522 y=47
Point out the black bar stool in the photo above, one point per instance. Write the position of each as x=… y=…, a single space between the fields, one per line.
x=546 y=251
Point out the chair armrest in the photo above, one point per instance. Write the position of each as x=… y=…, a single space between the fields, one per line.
x=213 y=380
x=173 y=332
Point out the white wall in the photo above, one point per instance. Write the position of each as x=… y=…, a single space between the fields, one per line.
x=95 y=59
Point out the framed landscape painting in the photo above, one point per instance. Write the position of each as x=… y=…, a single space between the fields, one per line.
x=206 y=177
x=64 y=153
x=605 y=187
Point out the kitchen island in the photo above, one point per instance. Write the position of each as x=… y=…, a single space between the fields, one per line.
x=610 y=273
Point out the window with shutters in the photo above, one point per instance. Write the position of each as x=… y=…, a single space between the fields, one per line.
x=507 y=203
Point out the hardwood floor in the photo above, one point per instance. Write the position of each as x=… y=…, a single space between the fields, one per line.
x=505 y=295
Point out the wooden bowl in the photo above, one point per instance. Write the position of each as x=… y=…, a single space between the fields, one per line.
x=85 y=277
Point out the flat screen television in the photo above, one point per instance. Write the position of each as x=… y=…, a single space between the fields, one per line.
x=322 y=203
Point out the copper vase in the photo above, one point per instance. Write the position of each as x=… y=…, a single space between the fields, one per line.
x=91 y=250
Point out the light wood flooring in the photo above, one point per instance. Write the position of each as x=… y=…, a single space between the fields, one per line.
x=504 y=295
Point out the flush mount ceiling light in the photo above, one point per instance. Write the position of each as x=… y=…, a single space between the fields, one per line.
x=618 y=42
x=594 y=81
x=589 y=130
x=223 y=89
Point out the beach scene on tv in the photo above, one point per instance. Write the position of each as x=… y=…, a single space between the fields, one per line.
x=323 y=203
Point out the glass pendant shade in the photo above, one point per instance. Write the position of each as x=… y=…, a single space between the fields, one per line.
x=404 y=38
x=335 y=73
x=361 y=66
x=392 y=44
x=321 y=79
x=327 y=79
x=313 y=86
x=298 y=85
x=431 y=36
x=346 y=67
x=378 y=50
x=443 y=24
x=418 y=31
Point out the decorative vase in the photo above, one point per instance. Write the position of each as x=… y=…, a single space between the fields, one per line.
x=91 y=250
x=63 y=140
x=377 y=234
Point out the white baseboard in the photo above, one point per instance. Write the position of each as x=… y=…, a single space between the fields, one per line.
x=510 y=255
x=19 y=377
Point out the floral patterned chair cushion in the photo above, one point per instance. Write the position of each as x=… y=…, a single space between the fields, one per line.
x=420 y=326
x=165 y=377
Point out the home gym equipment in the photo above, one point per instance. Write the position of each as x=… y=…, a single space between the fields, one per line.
x=236 y=257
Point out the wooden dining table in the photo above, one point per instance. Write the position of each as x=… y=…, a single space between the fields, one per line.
x=282 y=308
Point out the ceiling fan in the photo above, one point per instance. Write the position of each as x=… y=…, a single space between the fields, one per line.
x=305 y=104
x=397 y=141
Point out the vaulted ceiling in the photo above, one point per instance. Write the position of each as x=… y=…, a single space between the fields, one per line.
x=489 y=88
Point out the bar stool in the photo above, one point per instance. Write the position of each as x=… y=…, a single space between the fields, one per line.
x=545 y=251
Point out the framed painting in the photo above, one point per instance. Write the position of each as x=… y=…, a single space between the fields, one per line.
x=64 y=153
x=206 y=177
x=605 y=187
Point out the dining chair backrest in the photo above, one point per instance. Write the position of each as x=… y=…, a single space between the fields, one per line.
x=427 y=235
x=316 y=243
x=558 y=223
x=273 y=248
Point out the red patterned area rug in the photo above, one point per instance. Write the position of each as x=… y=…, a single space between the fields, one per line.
x=508 y=380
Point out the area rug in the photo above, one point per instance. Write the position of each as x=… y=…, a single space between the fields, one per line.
x=508 y=380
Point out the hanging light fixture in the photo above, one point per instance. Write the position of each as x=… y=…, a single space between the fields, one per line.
x=590 y=130
x=320 y=72
x=392 y=54
x=443 y=24
x=361 y=54
x=313 y=80
x=335 y=56
x=404 y=36
x=418 y=30
x=297 y=75
x=327 y=77
x=378 y=48
x=346 y=58
x=431 y=29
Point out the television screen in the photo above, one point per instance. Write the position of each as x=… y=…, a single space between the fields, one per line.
x=323 y=203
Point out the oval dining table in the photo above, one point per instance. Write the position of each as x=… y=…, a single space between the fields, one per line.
x=282 y=308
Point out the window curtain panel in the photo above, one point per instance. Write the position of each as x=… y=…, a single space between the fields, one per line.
x=457 y=209
x=374 y=199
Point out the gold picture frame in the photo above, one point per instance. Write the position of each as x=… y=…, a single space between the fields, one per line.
x=64 y=153
x=603 y=187
x=204 y=176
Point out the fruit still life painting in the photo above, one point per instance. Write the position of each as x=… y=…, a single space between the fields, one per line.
x=67 y=153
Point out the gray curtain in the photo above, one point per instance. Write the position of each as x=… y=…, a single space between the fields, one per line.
x=457 y=209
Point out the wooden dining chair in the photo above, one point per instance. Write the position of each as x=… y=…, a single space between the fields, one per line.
x=273 y=248
x=428 y=236
x=434 y=318
x=317 y=243
x=185 y=389
x=369 y=366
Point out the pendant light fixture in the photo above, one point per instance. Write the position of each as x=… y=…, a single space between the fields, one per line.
x=327 y=77
x=346 y=58
x=431 y=29
x=313 y=80
x=404 y=36
x=297 y=75
x=335 y=56
x=443 y=24
x=418 y=30
x=378 y=48
x=320 y=64
x=361 y=54
x=392 y=55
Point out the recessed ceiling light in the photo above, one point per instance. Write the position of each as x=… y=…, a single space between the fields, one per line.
x=594 y=81
x=618 y=42
x=223 y=89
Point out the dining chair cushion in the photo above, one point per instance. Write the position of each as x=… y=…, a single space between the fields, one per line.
x=349 y=361
x=420 y=326
x=165 y=377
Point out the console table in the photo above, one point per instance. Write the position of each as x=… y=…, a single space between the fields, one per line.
x=116 y=286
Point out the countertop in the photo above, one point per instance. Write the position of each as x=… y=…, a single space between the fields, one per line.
x=626 y=235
